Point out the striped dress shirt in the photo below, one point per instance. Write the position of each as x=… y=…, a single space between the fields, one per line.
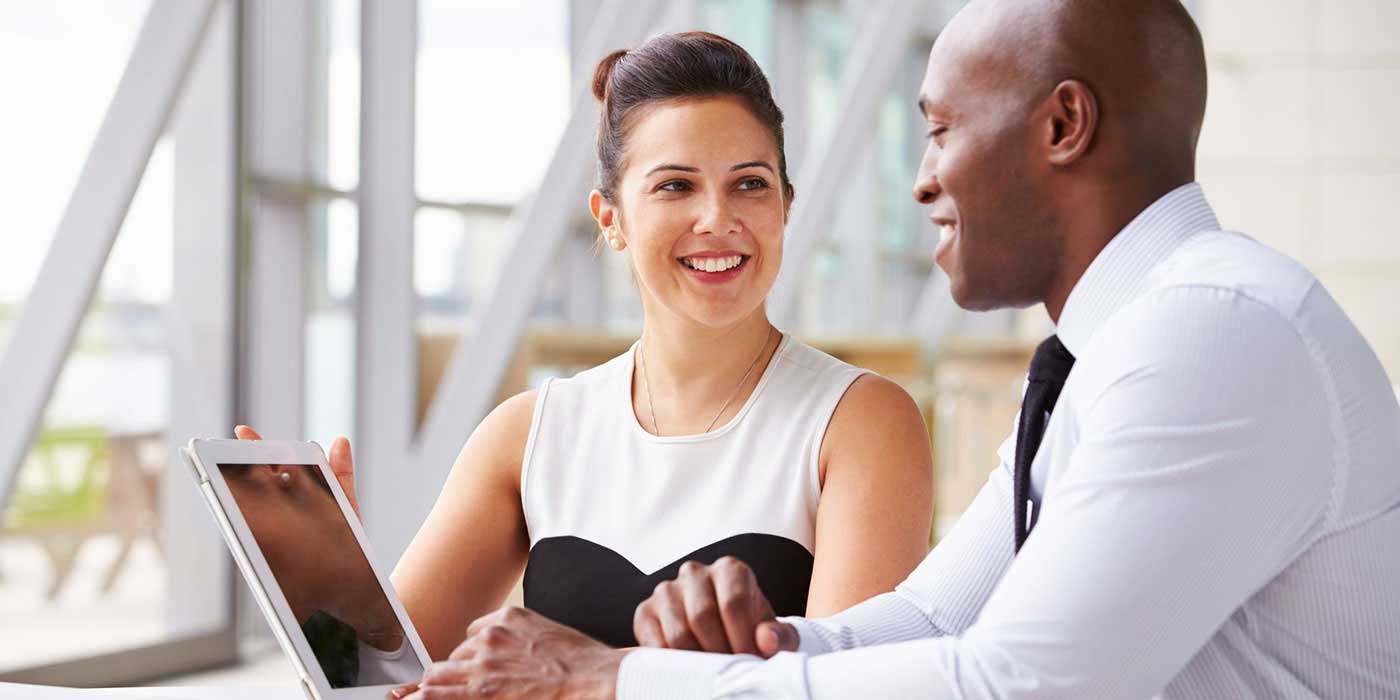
x=1220 y=511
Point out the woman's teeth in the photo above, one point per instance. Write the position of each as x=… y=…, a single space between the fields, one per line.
x=713 y=264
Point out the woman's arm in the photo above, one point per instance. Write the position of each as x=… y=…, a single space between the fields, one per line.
x=877 y=496
x=471 y=549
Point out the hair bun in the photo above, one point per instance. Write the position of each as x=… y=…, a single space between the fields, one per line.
x=604 y=71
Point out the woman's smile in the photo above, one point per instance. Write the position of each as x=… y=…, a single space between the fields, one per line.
x=714 y=267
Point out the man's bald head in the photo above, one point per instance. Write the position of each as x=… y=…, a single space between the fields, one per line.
x=1052 y=123
x=1143 y=60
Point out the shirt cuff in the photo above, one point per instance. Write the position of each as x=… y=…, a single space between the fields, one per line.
x=668 y=674
x=808 y=641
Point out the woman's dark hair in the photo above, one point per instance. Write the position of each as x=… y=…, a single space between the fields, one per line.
x=686 y=65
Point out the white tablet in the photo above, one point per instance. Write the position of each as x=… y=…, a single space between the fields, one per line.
x=301 y=548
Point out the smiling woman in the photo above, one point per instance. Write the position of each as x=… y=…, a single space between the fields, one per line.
x=716 y=435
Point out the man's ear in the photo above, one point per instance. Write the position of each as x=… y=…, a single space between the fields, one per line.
x=1072 y=123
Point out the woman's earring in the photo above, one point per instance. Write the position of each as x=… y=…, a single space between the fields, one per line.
x=286 y=478
x=614 y=240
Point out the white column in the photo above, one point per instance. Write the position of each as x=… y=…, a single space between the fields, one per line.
x=202 y=324
x=278 y=79
x=386 y=355
x=789 y=79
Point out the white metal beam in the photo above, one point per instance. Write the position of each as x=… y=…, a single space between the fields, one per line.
x=536 y=228
x=277 y=47
x=203 y=324
x=276 y=138
x=386 y=355
x=789 y=78
x=884 y=37
x=47 y=323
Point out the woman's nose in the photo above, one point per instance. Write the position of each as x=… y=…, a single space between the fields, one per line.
x=717 y=216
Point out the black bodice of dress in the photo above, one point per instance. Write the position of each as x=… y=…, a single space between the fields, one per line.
x=596 y=590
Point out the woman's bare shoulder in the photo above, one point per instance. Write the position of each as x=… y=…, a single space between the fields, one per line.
x=876 y=415
x=497 y=446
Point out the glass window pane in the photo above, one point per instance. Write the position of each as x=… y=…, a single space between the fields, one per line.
x=82 y=568
x=457 y=260
x=60 y=62
x=827 y=36
x=493 y=96
x=748 y=23
x=330 y=320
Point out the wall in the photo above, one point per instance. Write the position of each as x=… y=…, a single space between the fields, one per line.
x=1301 y=147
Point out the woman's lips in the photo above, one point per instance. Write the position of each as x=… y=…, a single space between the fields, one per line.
x=716 y=277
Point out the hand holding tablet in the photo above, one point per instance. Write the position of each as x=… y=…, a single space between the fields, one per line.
x=289 y=519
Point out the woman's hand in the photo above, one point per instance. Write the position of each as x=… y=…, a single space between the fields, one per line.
x=516 y=654
x=342 y=465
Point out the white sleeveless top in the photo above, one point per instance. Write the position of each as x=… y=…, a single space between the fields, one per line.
x=613 y=510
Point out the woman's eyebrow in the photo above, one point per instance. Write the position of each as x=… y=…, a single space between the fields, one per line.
x=693 y=169
x=752 y=164
x=673 y=166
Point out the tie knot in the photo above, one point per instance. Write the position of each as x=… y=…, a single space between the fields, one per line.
x=1052 y=362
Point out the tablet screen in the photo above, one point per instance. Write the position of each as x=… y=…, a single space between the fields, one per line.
x=347 y=620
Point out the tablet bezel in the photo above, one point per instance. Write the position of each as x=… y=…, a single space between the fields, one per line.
x=205 y=456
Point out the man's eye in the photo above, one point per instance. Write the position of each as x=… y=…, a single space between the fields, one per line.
x=674 y=186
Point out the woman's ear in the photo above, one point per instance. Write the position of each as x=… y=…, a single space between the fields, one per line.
x=1073 y=122
x=603 y=211
x=787 y=203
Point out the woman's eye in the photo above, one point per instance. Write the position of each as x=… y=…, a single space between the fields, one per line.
x=753 y=183
x=674 y=186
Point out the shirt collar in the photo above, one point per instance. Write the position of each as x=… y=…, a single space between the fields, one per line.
x=1119 y=273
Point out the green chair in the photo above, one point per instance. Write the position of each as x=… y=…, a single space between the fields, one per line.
x=61 y=513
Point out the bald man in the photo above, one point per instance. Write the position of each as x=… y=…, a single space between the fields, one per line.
x=1202 y=495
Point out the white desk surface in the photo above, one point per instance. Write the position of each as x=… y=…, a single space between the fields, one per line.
x=12 y=691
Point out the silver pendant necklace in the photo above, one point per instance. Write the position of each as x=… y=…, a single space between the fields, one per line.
x=651 y=406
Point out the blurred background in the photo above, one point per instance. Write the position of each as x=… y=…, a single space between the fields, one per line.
x=368 y=218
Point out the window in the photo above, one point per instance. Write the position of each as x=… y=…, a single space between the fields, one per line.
x=110 y=568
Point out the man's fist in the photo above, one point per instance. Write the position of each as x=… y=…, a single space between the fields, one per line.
x=717 y=608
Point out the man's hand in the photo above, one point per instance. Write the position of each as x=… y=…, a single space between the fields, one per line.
x=514 y=653
x=717 y=608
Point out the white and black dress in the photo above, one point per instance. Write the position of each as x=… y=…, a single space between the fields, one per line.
x=613 y=510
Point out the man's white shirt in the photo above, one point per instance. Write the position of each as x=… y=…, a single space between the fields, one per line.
x=1219 y=488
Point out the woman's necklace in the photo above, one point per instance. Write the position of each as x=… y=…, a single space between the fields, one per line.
x=651 y=406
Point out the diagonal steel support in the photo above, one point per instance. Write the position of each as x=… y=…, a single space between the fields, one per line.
x=884 y=38
x=48 y=321
x=536 y=228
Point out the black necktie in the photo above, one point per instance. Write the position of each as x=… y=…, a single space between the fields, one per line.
x=1049 y=368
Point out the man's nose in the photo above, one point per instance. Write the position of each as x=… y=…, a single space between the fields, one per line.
x=926 y=187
